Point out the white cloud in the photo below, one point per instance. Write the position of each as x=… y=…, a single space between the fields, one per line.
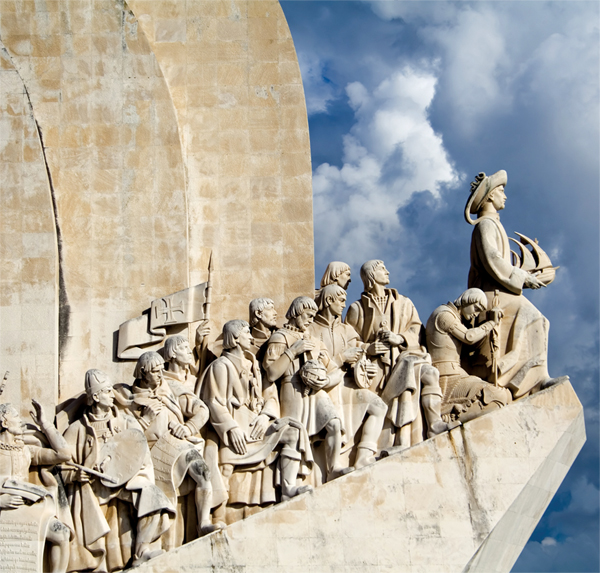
x=390 y=153
x=319 y=92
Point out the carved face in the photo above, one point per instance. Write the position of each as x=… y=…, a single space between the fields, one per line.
x=105 y=398
x=497 y=197
x=12 y=422
x=338 y=305
x=245 y=339
x=183 y=354
x=302 y=321
x=154 y=377
x=381 y=275
x=471 y=311
x=268 y=316
x=344 y=279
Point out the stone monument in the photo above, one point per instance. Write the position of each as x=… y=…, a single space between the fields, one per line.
x=155 y=191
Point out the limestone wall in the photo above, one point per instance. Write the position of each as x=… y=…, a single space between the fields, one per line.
x=171 y=128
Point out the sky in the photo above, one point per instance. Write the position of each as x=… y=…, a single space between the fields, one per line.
x=407 y=102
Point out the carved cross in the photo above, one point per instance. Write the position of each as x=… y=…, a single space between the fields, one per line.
x=169 y=309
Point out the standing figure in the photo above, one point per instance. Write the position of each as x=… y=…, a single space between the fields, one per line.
x=244 y=411
x=465 y=396
x=337 y=273
x=359 y=407
x=522 y=357
x=405 y=379
x=263 y=322
x=289 y=348
x=171 y=417
x=15 y=460
x=104 y=438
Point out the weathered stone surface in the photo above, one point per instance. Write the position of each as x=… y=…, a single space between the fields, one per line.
x=28 y=250
x=467 y=500
x=170 y=128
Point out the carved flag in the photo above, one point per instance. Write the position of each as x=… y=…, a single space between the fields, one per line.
x=150 y=329
x=181 y=307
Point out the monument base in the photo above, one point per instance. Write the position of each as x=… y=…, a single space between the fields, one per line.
x=467 y=500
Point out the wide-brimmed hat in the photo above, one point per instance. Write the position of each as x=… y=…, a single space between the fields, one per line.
x=480 y=189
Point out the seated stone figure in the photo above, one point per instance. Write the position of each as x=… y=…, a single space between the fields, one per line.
x=465 y=396
x=360 y=408
x=105 y=512
x=288 y=349
x=405 y=379
x=15 y=460
x=171 y=416
x=244 y=411
x=521 y=364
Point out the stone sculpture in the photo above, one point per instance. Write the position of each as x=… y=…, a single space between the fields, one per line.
x=405 y=378
x=245 y=412
x=263 y=321
x=465 y=396
x=17 y=492
x=289 y=348
x=112 y=492
x=337 y=273
x=172 y=416
x=358 y=406
x=179 y=358
x=520 y=362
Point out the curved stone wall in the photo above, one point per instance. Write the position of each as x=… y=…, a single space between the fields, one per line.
x=171 y=129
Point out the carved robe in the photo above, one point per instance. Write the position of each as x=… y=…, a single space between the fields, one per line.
x=399 y=315
x=463 y=394
x=104 y=532
x=399 y=370
x=313 y=409
x=351 y=402
x=523 y=350
x=235 y=394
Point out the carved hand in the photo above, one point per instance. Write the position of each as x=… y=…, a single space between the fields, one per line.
x=532 y=282
x=179 y=430
x=371 y=370
x=152 y=410
x=302 y=346
x=38 y=415
x=83 y=476
x=8 y=501
x=376 y=348
x=260 y=425
x=391 y=338
x=202 y=331
x=351 y=355
x=237 y=441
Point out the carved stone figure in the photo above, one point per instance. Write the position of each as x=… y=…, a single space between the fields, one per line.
x=359 y=407
x=521 y=358
x=288 y=349
x=113 y=492
x=405 y=379
x=171 y=416
x=16 y=490
x=337 y=273
x=181 y=365
x=263 y=321
x=465 y=396
x=244 y=411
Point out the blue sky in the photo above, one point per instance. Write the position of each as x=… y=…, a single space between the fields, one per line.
x=407 y=102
